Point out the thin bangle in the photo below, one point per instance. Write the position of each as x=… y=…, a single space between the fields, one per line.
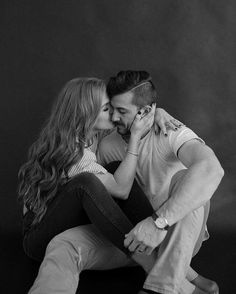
x=132 y=153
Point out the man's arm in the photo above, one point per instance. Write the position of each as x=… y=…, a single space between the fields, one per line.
x=197 y=186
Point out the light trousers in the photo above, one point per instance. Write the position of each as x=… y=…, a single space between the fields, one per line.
x=85 y=248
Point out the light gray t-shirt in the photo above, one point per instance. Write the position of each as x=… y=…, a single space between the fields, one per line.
x=157 y=162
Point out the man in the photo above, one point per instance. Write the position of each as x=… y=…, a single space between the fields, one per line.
x=178 y=174
x=182 y=158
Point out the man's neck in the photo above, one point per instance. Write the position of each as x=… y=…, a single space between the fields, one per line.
x=126 y=137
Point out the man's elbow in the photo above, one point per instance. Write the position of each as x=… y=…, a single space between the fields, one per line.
x=214 y=170
x=221 y=172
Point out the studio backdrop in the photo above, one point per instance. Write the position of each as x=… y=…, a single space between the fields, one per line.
x=188 y=47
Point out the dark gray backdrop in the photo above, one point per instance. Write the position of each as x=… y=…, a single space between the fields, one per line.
x=188 y=46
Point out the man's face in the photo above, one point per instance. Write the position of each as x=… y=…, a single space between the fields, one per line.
x=124 y=112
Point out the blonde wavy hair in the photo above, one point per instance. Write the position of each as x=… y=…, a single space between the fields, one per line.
x=60 y=143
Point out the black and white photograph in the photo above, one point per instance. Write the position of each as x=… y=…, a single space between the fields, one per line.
x=118 y=161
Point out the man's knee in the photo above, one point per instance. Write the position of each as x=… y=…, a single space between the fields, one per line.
x=176 y=181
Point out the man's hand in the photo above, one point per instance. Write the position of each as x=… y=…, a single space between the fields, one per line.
x=144 y=237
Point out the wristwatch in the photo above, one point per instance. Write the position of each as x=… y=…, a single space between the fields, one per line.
x=160 y=222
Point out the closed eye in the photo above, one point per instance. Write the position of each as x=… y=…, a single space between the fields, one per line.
x=121 y=111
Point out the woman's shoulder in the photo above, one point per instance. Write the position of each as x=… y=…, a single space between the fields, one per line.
x=88 y=163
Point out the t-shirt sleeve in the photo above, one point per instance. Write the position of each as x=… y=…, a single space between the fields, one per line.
x=183 y=135
x=111 y=148
x=102 y=134
x=88 y=163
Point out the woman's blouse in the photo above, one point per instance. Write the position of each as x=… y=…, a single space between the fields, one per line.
x=88 y=162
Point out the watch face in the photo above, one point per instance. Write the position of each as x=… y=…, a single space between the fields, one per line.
x=160 y=223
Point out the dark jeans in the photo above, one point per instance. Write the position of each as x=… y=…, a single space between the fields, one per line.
x=85 y=200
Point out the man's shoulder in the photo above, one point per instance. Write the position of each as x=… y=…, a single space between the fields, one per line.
x=176 y=139
x=111 y=148
x=183 y=132
x=112 y=139
x=172 y=141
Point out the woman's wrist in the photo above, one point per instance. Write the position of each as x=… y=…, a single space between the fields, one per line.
x=133 y=146
x=134 y=141
x=132 y=153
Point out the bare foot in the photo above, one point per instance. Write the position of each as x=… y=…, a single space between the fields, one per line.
x=206 y=285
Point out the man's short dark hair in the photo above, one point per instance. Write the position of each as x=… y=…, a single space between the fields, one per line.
x=138 y=82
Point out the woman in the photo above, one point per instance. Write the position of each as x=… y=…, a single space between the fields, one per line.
x=61 y=184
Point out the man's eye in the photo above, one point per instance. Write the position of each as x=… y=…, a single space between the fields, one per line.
x=106 y=109
x=122 y=111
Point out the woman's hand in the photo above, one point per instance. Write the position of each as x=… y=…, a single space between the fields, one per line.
x=165 y=121
x=142 y=124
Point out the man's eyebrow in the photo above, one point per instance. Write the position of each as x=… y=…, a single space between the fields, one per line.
x=122 y=108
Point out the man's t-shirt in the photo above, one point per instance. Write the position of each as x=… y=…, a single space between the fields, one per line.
x=157 y=162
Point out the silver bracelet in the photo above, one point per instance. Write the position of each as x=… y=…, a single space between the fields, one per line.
x=132 y=153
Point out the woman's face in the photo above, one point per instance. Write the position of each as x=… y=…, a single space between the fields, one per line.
x=103 y=121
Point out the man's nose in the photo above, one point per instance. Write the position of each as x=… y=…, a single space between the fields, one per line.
x=115 y=117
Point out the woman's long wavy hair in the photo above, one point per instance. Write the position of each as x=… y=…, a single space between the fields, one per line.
x=60 y=143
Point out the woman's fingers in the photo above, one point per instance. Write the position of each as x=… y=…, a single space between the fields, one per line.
x=163 y=127
x=176 y=122
x=150 y=116
x=143 y=123
x=172 y=124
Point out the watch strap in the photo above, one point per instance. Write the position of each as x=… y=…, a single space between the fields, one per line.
x=155 y=217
